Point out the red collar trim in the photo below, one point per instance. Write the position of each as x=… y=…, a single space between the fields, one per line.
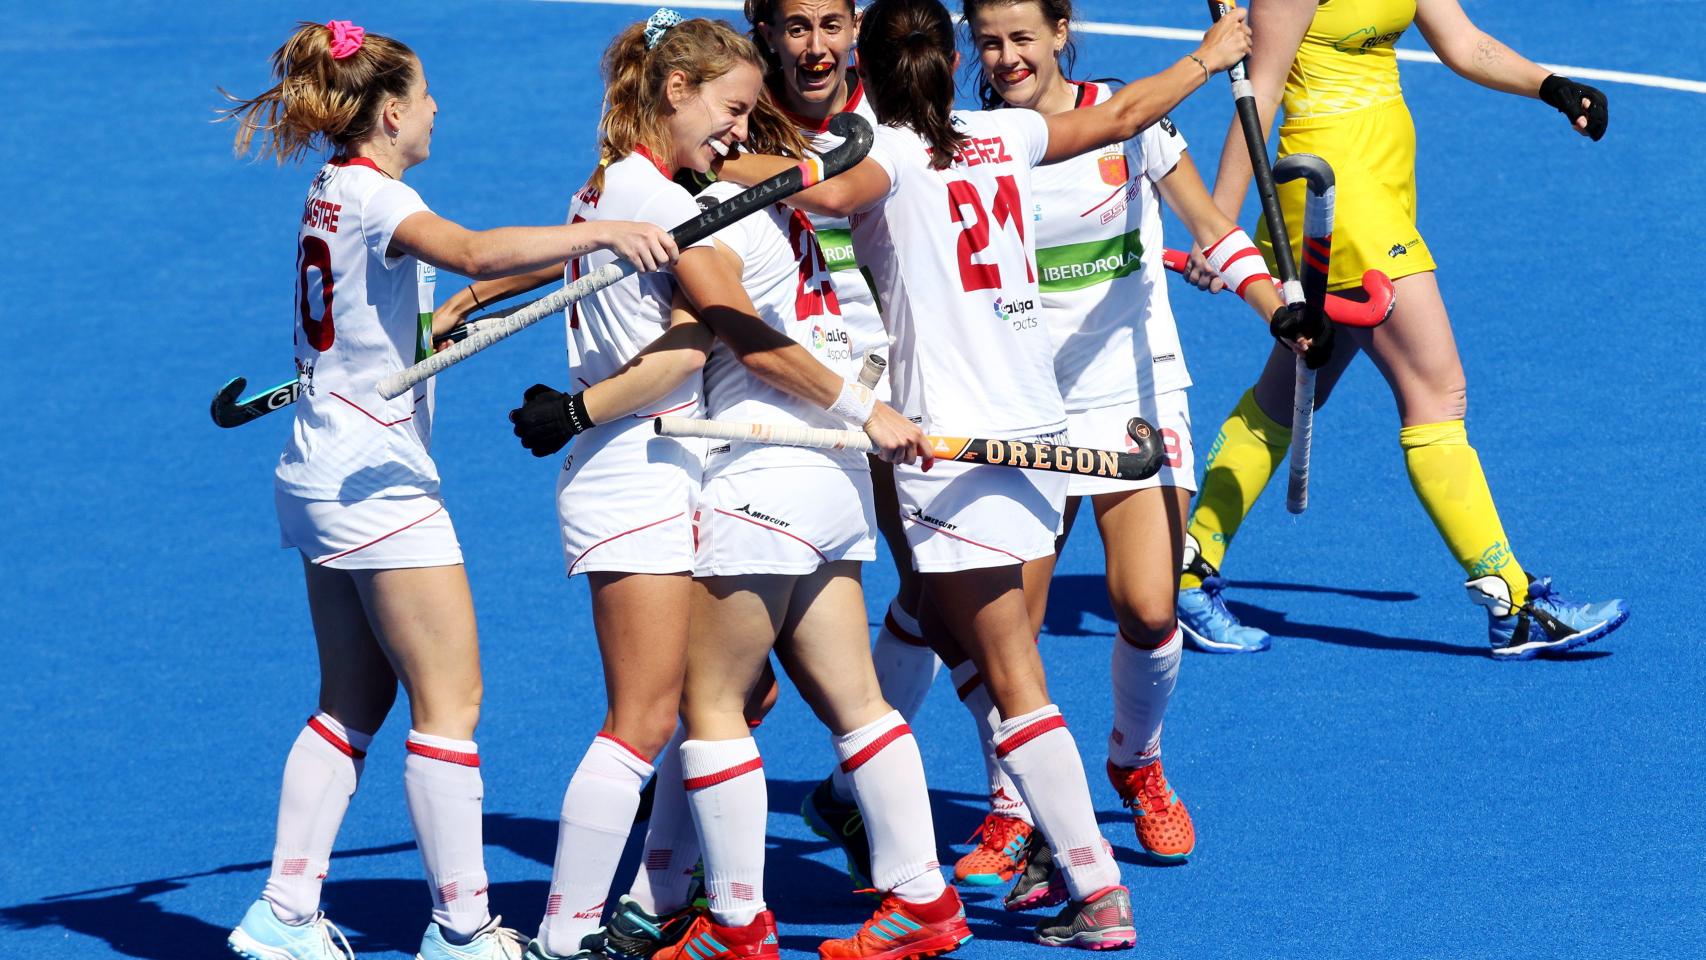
x=808 y=125
x=356 y=162
x=1086 y=95
x=663 y=168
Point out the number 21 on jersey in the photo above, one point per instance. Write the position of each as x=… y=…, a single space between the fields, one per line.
x=977 y=219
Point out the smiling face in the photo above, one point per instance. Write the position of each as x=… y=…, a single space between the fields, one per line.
x=1019 y=50
x=411 y=120
x=813 y=40
x=704 y=121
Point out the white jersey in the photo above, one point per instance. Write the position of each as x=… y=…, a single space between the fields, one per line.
x=952 y=255
x=606 y=329
x=835 y=237
x=359 y=315
x=788 y=280
x=1099 y=259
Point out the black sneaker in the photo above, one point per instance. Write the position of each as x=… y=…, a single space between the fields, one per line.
x=1039 y=884
x=634 y=934
x=833 y=819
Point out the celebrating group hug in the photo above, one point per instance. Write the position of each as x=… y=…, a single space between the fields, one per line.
x=1007 y=265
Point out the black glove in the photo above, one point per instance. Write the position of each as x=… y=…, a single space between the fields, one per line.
x=1290 y=323
x=547 y=419
x=1567 y=95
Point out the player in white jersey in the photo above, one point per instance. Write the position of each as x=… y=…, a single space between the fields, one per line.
x=679 y=92
x=940 y=219
x=808 y=46
x=357 y=491
x=1117 y=355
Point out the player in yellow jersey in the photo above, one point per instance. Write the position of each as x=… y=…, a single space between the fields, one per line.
x=1335 y=65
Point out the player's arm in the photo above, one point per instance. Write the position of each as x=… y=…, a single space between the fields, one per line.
x=548 y=419
x=489 y=254
x=710 y=278
x=483 y=293
x=1142 y=102
x=1475 y=55
x=847 y=193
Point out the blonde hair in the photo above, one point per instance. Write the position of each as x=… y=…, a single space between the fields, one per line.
x=700 y=50
x=318 y=100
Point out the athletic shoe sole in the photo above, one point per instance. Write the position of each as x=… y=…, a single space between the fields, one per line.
x=244 y=945
x=1531 y=650
x=1048 y=895
x=822 y=828
x=1166 y=859
x=1202 y=644
x=1117 y=939
x=932 y=947
x=983 y=879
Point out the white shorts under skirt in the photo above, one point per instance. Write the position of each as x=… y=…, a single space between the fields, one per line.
x=1104 y=428
x=625 y=502
x=963 y=516
x=380 y=533
x=785 y=520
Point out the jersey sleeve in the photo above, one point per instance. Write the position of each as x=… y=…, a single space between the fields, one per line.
x=669 y=208
x=736 y=236
x=1162 y=145
x=1029 y=130
x=389 y=205
x=886 y=147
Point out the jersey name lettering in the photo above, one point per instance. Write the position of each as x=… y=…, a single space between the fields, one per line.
x=319 y=214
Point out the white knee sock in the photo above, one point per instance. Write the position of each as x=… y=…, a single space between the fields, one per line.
x=1004 y=796
x=592 y=828
x=1040 y=755
x=672 y=844
x=724 y=780
x=1143 y=686
x=882 y=760
x=906 y=666
x=441 y=778
x=320 y=776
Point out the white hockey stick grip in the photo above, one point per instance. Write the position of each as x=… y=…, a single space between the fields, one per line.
x=1302 y=427
x=489 y=331
x=777 y=434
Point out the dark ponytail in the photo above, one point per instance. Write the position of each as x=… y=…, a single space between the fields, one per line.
x=906 y=55
x=1054 y=11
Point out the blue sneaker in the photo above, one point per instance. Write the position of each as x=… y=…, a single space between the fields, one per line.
x=1546 y=623
x=635 y=933
x=1209 y=626
x=492 y=942
x=263 y=936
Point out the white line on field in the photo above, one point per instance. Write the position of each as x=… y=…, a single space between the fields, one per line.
x=1176 y=33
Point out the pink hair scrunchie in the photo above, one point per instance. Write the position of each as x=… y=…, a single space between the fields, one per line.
x=346 y=38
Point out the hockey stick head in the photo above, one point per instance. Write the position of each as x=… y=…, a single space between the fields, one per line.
x=1306 y=166
x=856 y=138
x=225 y=410
x=1147 y=450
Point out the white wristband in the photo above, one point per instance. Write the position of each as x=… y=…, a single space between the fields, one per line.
x=855 y=404
x=1237 y=261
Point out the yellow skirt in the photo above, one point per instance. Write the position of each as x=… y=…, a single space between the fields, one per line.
x=1373 y=154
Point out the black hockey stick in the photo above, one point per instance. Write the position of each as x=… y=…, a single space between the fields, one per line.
x=1317 y=259
x=856 y=142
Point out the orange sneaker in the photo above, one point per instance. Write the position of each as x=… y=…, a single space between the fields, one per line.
x=1163 y=824
x=1000 y=853
x=706 y=939
x=904 y=931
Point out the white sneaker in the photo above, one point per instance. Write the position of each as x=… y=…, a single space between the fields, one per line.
x=492 y=942
x=263 y=936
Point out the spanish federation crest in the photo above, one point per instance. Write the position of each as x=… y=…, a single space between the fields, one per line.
x=1113 y=169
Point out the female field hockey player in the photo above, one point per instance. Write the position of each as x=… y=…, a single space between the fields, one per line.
x=1342 y=102
x=781 y=532
x=358 y=493
x=941 y=211
x=808 y=54
x=678 y=94
x=1117 y=354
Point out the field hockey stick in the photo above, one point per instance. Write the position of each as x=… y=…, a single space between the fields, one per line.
x=856 y=142
x=228 y=411
x=1340 y=309
x=1141 y=464
x=1317 y=256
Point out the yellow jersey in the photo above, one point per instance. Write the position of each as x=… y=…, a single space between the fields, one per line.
x=1347 y=59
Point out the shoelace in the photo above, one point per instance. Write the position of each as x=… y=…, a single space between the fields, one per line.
x=1150 y=788
x=1213 y=587
x=997 y=831
x=328 y=929
x=890 y=905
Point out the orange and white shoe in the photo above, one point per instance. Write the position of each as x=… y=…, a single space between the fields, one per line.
x=1000 y=852
x=904 y=931
x=706 y=939
x=1163 y=824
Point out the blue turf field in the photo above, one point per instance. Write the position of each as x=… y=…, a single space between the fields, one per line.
x=1374 y=786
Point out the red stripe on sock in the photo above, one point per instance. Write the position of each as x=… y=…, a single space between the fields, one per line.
x=293 y=868
x=620 y=743
x=1029 y=732
x=331 y=736
x=871 y=749
x=900 y=634
x=724 y=776
x=439 y=753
